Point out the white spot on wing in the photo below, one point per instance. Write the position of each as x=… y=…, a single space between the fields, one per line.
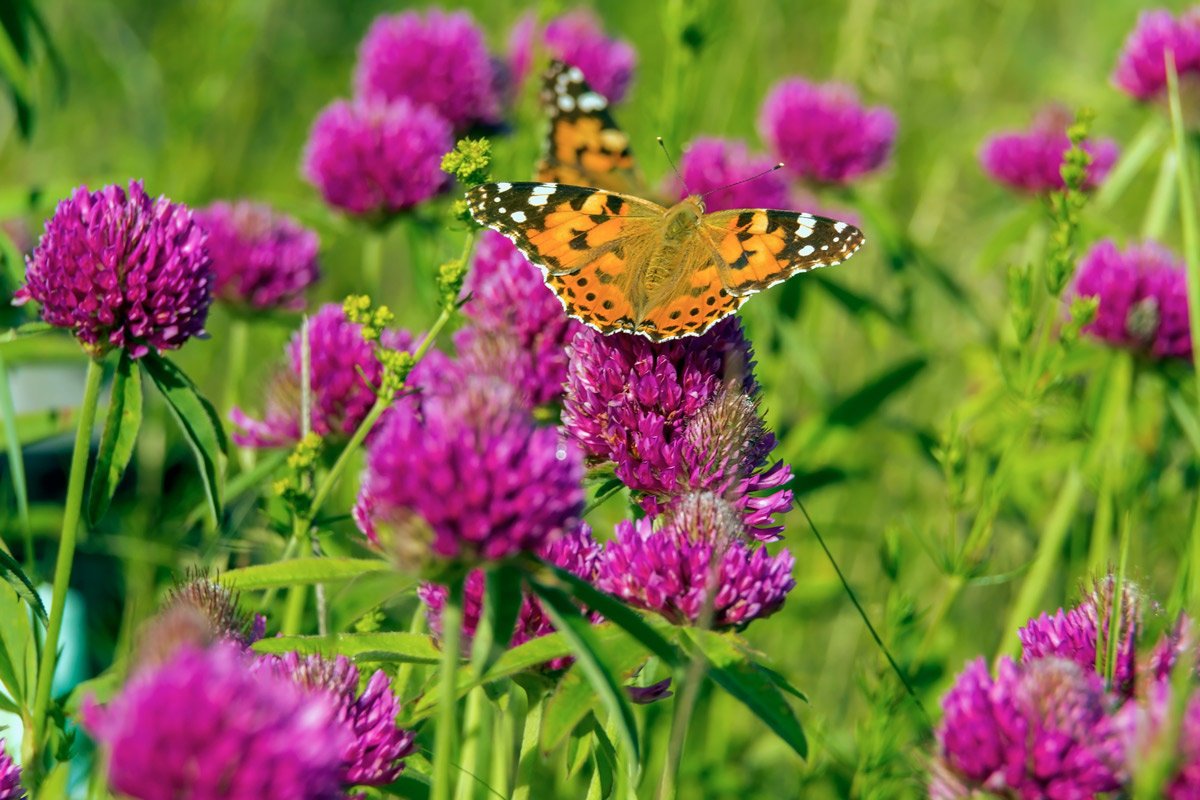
x=575 y=74
x=839 y=227
x=517 y=216
x=503 y=187
x=807 y=250
x=566 y=102
x=545 y=188
x=591 y=101
x=538 y=199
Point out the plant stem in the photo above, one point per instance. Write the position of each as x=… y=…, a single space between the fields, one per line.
x=530 y=748
x=239 y=335
x=474 y=744
x=446 y=735
x=372 y=262
x=16 y=461
x=66 y=558
x=1191 y=255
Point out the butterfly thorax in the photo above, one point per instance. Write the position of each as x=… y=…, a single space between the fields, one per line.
x=683 y=219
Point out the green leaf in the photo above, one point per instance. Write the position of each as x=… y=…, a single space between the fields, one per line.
x=241 y=483
x=868 y=399
x=302 y=571
x=21 y=584
x=16 y=647
x=596 y=664
x=580 y=745
x=25 y=331
x=606 y=761
x=386 y=647
x=735 y=672
x=197 y=419
x=120 y=436
x=574 y=696
x=617 y=613
x=501 y=606
x=16 y=458
x=54 y=785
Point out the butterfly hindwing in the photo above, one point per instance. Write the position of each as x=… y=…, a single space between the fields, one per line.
x=762 y=248
x=585 y=145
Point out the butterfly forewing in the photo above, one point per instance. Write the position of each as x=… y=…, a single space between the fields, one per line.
x=762 y=248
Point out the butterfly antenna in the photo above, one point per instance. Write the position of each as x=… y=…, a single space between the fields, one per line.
x=674 y=168
x=743 y=180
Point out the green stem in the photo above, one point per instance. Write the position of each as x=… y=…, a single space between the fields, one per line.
x=66 y=558
x=1191 y=255
x=16 y=460
x=372 y=262
x=530 y=748
x=239 y=336
x=1049 y=546
x=446 y=735
x=474 y=744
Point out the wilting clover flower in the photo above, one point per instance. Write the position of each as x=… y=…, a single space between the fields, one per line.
x=695 y=559
x=676 y=417
x=1141 y=70
x=473 y=474
x=205 y=726
x=199 y=613
x=822 y=133
x=1032 y=161
x=1076 y=634
x=10 y=777
x=439 y=60
x=261 y=259
x=377 y=748
x=1042 y=729
x=1142 y=292
x=374 y=159
x=343 y=371
x=710 y=163
x=118 y=269
x=577 y=552
x=577 y=38
x=519 y=331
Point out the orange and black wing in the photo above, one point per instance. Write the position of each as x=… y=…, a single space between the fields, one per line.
x=585 y=145
x=758 y=248
x=583 y=239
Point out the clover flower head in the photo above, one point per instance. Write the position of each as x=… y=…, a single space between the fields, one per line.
x=1142 y=292
x=119 y=269
x=1141 y=70
x=577 y=38
x=1041 y=729
x=374 y=159
x=438 y=60
x=473 y=473
x=695 y=562
x=376 y=749
x=10 y=777
x=714 y=165
x=344 y=374
x=823 y=133
x=248 y=735
x=261 y=259
x=1031 y=161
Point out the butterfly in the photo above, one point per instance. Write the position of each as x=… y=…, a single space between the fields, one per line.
x=584 y=146
x=621 y=263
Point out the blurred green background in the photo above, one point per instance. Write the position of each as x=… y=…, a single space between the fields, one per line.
x=867 y=370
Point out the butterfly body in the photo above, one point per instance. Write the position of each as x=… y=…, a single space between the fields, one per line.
x=621 y=263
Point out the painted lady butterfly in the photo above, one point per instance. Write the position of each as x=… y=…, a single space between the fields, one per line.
x=621 y=263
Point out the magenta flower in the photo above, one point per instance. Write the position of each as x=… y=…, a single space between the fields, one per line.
x=822 y=133
x=261 y=259
x=1076 y=634
x=10 y=777
x=344 y=372
x=1141 y=70
x=118 y=269
x=1040 y=730
x=697 y=556
x=676 y=417
x=473 y=477
x=374 y=159
x=198 y=614
x=1032 y=161
x=519 y=332
x=1143 y=298
x=206 y=727
x=437 y=60
x=578 y=39
x=709 y=164
x=376 y=749
x=1184 y=784
x=577 y=552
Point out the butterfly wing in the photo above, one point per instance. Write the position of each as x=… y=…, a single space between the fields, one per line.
x=757 y=248
x=585 y=145
x=587 y=242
